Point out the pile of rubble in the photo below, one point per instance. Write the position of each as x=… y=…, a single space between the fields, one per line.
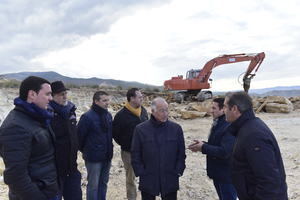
x=270 y=104
x=273 y=104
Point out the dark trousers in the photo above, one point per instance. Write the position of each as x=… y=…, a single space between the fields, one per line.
x=225 y=191
x=170 y=196
x=70 y=187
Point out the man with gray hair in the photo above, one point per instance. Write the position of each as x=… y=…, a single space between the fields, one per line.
x=158 y=154
x=257 y=167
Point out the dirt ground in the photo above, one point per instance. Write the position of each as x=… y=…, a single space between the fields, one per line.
x=194 y=184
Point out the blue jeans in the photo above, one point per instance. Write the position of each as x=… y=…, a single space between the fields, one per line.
x=225 y=191
x=70 y=187
x=98 y=175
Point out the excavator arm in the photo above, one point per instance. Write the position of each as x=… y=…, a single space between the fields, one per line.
x=255 y=62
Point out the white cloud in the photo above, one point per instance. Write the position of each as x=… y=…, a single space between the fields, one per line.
x=152 y=43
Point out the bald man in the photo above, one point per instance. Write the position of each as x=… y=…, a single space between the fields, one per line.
x=158 y=154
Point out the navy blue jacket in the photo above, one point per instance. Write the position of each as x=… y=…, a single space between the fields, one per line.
x=158 y=156
x=218 y=150
x=95 y=135
x=124 y=124
x=257 y=168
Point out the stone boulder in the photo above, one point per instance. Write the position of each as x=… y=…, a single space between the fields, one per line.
x=279 y=108
x=256 y=102
x=200 y=106
x=278 y=99
x=187 y=114
x=272 y=104
x=278 y=104
x=296 y=102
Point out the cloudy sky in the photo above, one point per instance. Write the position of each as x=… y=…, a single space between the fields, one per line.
x=151 y=40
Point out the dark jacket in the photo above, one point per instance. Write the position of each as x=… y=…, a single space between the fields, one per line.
x=257 y=167
x=64 y=126
x=95 y=135
x=124 y=124
x=218 y=149
x=27 y=148
x=158 y=156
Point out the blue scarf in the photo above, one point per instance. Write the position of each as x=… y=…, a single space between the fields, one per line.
x=34 y=111
x=63 y=111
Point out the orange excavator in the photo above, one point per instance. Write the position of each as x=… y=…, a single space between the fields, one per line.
x=197 y=80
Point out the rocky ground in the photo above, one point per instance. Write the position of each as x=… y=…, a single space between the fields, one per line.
x=194 y=183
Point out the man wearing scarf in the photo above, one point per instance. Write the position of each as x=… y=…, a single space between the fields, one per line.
x=218 y=150
x=124 y=124
x=158 y=154
x=66 y=145
x=95 y=143
x=27 y=144
x=257 y=167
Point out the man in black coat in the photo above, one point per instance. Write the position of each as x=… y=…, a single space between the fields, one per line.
x=124 y=124
x=257 y=167
x=158 y=154
x=64 y=126
x=218 y=150
x=27 y=144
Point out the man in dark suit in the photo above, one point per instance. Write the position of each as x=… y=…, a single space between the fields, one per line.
x=125 y=121
x=158 y=154
x=64 y=126
x=218 y=151
x=257 y=167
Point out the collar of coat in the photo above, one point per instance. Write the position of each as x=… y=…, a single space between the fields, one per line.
x=64 y=111
x=157 y=123
x=238 y=123
x=35 y=112
x=135 y=111
x=100 y=111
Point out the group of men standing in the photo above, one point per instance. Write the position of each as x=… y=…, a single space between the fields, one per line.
x=39 y=147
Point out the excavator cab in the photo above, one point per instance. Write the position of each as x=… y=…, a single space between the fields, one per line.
x=192 y=74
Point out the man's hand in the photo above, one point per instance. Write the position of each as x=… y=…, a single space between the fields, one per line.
x=196 y=146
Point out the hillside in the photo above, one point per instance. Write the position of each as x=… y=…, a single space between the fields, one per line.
x=54 y=76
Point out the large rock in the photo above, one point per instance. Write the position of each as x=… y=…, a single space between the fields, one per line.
x=186 y=114
x=278 y=99
x=296 y=102
x=174 y=114
x=273 y=104
x=256 y=102
x=200 y=106
x=296 y=105
x=294 y=99
x=279 y=108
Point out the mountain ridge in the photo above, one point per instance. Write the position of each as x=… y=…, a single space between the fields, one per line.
x=54 y=76
x=286 y=91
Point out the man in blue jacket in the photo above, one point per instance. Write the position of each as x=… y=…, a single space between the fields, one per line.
x=257 y=167
x=95 y=143
x=158 y=154
x=218 y=150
